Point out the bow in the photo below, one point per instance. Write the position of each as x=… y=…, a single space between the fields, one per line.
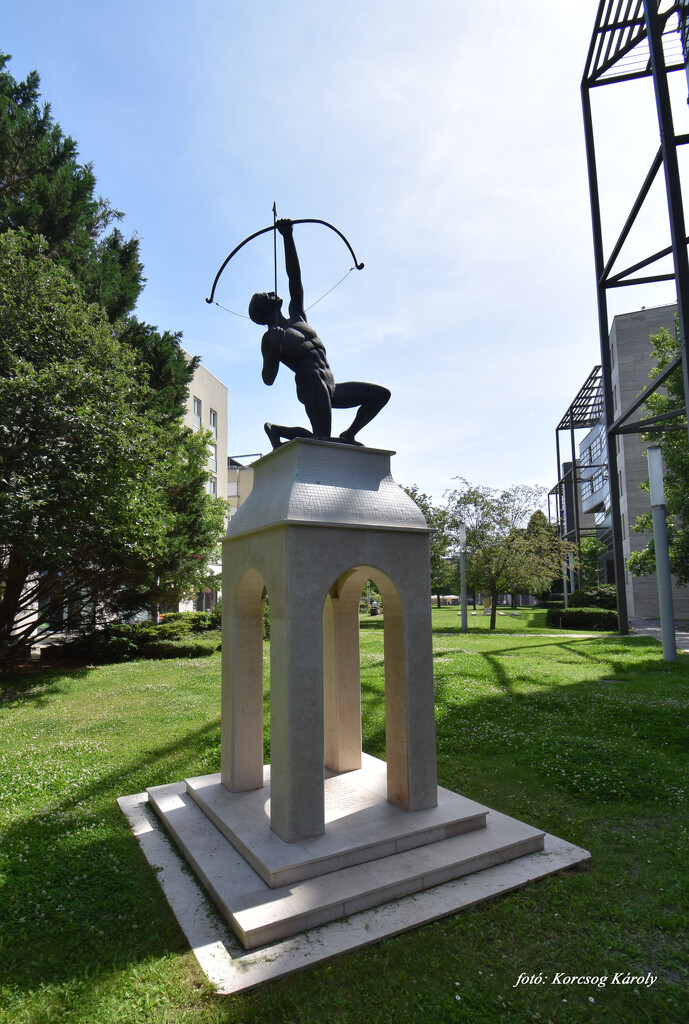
x=303 y=220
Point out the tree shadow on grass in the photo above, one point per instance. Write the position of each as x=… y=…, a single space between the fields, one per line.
x=37 y=685
x=568 y=652
x=593 y=741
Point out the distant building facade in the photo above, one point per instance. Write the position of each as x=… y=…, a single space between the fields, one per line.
x=588 y=478
x=207 y=410
x=229 y=479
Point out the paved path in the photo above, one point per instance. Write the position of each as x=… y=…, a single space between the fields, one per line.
x=651 y=627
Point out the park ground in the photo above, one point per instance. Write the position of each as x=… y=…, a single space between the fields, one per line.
x=583 y=736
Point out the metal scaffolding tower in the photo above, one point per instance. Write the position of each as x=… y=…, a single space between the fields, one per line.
x=636 y=39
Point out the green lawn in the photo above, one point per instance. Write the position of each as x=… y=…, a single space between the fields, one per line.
x=448 y=620
x=586 y=738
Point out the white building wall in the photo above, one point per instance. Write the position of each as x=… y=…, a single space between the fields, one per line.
x=207 y=410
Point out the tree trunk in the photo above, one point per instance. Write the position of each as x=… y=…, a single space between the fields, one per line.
x=493 y=608
x=15 y=581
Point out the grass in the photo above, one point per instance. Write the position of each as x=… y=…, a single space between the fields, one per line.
x=584 y=737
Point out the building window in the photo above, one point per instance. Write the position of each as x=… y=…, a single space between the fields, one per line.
x=196 y=414
x=214 y=423
x=213 y=487
x=206 y=600
x=213 y=458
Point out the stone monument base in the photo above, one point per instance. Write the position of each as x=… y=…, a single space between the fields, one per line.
x=371 y=853
x=327 y=849
x=230 y=968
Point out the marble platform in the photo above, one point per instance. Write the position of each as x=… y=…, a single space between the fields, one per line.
x=371 y=853
x=231 y=968
x=360 y=824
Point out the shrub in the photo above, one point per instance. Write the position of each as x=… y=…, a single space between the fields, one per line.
x=216 y=615
x=604 y=595
x=189 y=622
x=98 y=648
x=583 y=618
x=184 y=648
x=119 y=641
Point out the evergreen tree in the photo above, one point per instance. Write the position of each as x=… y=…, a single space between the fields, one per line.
x=168 y=371
x=44 y=189
x=102 y=501
x=70 y=433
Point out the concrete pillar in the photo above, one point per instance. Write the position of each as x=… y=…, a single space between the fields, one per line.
x=242 y=682
x=296 y=719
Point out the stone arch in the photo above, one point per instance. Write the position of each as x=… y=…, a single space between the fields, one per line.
x=342 y=685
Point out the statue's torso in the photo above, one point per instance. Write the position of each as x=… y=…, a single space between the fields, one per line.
x=303 y=351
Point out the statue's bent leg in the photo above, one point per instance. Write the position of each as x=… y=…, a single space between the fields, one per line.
x=277 y=434
x=370 y=398
x=315 y=395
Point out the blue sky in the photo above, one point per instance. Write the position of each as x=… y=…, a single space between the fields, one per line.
x=444 y=139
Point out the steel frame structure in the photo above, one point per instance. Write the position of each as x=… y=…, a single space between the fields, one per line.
x=635 y=39
x=585 y=411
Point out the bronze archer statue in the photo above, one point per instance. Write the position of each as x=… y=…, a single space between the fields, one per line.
x=293 y=341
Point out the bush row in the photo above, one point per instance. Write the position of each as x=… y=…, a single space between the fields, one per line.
x=179 y=635
x=582 y=618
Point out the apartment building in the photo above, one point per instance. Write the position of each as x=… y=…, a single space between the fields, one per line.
x=631 y=361
x=207 y=410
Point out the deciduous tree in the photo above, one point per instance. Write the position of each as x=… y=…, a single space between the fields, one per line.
x=511 y=549
x=675 y=448
x=437 y=518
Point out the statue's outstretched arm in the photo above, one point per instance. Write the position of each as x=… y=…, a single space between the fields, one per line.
x=296 y=289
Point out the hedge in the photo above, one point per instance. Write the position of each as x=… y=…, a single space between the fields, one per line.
x=583 y=618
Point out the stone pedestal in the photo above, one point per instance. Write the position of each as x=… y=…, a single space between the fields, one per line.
x=321 y=519
x=325 y=832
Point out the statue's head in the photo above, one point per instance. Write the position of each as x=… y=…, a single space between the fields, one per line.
x=263 y=307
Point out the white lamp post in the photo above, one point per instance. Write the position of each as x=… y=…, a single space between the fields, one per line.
x=665 y=604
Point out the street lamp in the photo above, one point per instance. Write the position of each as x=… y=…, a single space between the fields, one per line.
x=463 y=574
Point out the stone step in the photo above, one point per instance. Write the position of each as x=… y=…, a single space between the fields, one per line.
x=360 y=823
x=260 y=915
